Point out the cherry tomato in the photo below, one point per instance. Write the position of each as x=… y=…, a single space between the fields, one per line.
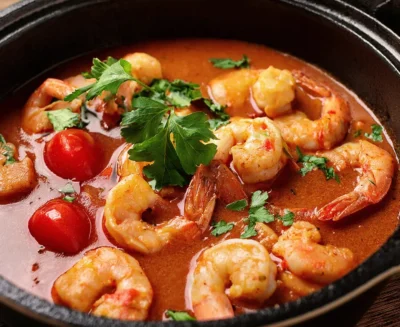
x=61 y=226
x=73 y=154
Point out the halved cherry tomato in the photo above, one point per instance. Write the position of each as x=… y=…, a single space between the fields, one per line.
x=73 y=154
x=61 y=226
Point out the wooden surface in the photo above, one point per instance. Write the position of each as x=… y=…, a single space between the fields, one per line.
x=377 y=307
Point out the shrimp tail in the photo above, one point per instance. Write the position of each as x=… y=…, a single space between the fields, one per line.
x=214 y=306
x=343 y=206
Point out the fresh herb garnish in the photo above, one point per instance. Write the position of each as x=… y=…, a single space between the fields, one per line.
x=175 y=145
x=237 y=205
x=221 y=227
x=376 y=134
x=357 y=133
x=219 y=111
x=179 y=315
x=227 y=63
x=63 y=119
x=257 y=213
x=287 y=218
x=312 y=162
x=6 y=151
x=372 y=182
x=68 y=191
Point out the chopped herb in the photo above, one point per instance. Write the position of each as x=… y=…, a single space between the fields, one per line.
x=237 y=205
x=218 y=110
x=6 y=151
x=227 y=63
x=287 y=219
x=152 y=126
x=67 y=190
x=63 y=119
x=257 y=213
x=179 y=315
x=69 y=198
x=293 y=191
x=221 y=227
x=376 y=134
x=312 y=162
x=372 y=182
x=357 y=133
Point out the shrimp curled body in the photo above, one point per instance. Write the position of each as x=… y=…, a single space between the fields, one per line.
x=376 y=172
x=243 y=264
x=83 y=286
x=256 y=147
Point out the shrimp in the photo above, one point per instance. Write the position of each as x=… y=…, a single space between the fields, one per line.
x=233 y=89
x=292 y=287
x=376 y=168
x=323 y=133
x=256 y=146
x=265 y=236
x=322 y=264
x=274 y=91
x=34 y=118
x=231 y=270
x=18 y=177
x=123 y=211
x=126 y=167
x=89 y=286
x=144 y=67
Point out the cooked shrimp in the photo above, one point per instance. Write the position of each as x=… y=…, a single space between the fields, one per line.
x=16 y=177
x=123 y=211
x=126 y=167
x=34 y=118
x=144 y=67
x=265 y=235
x=323 y=133
x=307 y=259
x=256 y=146
x=233 y=269
x=274 y=91
x=85 y=286
x=376 y=168
x=233 y=89
x=292 y=287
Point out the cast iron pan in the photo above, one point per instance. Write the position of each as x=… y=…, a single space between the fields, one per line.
x=355 y=48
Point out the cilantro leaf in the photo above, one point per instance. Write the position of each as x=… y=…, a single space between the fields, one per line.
x=312 y=162
x=237 y=205
x=144 y=122
x=227 y=63
x=67 y=189
x=99 y=67
x=288 y=218
x=219 y=111
x=189 y=134
x=257 y=213
x=221 y=227
x=63 y=119
x=357 y=133
x=6 y=151
x=376 y=134
x=179 y=315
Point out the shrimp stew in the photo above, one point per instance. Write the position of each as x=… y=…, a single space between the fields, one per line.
x=189 y=180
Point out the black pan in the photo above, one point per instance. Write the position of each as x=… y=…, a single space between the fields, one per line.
x=355 y=48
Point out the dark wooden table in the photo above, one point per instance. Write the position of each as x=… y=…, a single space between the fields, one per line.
x=379 y=306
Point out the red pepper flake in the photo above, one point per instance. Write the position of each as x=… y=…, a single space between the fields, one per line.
x=320 y=138
x=264 y=126
x=284 y=265
x=332 y=112
x=268 y=145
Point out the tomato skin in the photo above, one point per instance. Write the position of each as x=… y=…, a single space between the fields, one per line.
x=73 y=154
x=61 y=226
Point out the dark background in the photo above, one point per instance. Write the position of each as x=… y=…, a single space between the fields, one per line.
x=378 y=306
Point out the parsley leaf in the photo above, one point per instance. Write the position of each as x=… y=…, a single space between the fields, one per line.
x=179 y=315
x=257 y=213
x=6 y=151
x=227 y=63
x=99 y=67
x=221 y=227
x=376 y=134
x=312 y=162
x=237 y=205
x=357 y=133
x=63 y=119
x=288 y=218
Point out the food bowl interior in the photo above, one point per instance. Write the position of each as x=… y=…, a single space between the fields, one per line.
x=42 y=34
